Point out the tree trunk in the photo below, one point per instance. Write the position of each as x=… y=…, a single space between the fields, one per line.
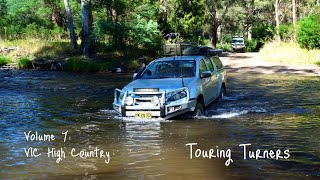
x=163 y=10
x=221 y=34
x=294 y=20
x=276 y=9
x=249 y=32
x=70 y=25
x=213 y=36
x=114 y=15
x=85 y=27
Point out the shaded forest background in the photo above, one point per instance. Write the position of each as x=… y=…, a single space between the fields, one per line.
x=113 y=32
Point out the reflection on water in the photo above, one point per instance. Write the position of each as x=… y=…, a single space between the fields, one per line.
x=270 y=112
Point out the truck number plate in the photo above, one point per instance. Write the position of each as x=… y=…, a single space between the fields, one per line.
x=143 y=115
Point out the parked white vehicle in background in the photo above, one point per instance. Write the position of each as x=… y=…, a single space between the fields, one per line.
x=172 y=86
x=238 y=44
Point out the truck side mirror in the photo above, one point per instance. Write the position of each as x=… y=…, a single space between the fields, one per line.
x=134 y=75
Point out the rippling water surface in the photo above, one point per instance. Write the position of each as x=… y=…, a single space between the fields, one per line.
x=270 y=112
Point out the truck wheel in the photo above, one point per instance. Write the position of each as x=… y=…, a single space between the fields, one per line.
x=199 y=110
x=223 y=92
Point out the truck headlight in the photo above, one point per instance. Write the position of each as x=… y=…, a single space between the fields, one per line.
x=176 y=95
x=155 y=100
x=129 y=100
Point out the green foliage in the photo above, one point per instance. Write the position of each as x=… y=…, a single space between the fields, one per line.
x=4 y=60
x=227 y=38
x=24 y=62
x=136 y=25
x=80 y=64
x=111 y=32
x=105 y=66
x=225 y=46
x=126 y=29
x=32 y=19
x=3 y=7
x=187 y=18
x=251 y=45
x=145 y=32
x=84 y=64
x=263 y=33
x=3 y=19
x=286 y=32
x=308 y=34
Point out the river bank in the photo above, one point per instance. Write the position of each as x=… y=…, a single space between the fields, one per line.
x=58 y=55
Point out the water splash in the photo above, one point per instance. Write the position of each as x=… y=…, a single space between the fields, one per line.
x=234 y=112
x=142 y=120
x=230 y=114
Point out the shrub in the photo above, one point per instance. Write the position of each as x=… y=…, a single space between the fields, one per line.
x=145 y=32
x=286 y=32
x=83 y=64
x=227 y=38
x=224 y=46
x=24 y=62
x=4 y=60
x=263 y=32
x=105 y=66
x=308 y=35
x=251 y=45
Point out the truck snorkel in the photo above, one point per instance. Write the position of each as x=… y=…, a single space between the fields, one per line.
x=143 y=67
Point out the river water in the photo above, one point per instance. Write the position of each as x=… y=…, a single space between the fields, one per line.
x=276 y=114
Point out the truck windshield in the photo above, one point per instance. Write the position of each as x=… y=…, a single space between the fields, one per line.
x=170 y=69
x=237 y=41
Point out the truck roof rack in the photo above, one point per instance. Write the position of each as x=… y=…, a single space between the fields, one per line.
x=189 y=49
x=202 y=50
x=176 y=49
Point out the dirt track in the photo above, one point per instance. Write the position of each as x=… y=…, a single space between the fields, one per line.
x=250 y=63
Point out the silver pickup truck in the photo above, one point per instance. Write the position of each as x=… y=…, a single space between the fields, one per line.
x=172 y=86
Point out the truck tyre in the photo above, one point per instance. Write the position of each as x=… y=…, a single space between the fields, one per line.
x=223 y=92
x=199 y=110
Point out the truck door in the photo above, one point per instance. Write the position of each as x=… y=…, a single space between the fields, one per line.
x=214 y=79
x=206 y=83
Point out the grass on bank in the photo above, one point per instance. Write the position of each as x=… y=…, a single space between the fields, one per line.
x=4 y=60
x=39 y=48
x=289 y=53
x=106 y=57
x=26 y=50
x=24 y=62
x=84 y=64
